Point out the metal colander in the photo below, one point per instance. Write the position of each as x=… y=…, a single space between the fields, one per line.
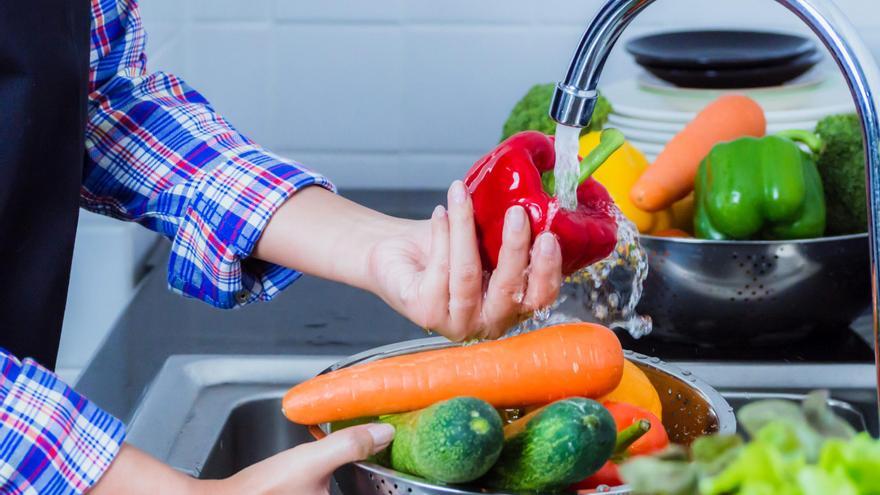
x=735 y=293
x=691 y=408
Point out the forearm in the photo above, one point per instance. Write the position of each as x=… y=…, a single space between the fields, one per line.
x=134 y=472
x=323 y=234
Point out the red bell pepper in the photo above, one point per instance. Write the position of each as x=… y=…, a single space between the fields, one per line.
x=639 y=432
x=520 y=172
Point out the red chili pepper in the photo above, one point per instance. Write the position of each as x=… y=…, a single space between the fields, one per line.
x=633 y=439
x=520 y=172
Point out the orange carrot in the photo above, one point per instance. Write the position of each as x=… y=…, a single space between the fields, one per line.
x=671 y=176
x=539 y=367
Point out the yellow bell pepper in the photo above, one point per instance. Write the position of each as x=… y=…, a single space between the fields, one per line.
x=620 y=172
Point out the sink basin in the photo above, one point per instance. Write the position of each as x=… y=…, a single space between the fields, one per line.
x=254 y=430
x=211 y=416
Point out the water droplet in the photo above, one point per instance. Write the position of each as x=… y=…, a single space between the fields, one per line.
x=518 y=297
x=686 y=373
x=610 y=289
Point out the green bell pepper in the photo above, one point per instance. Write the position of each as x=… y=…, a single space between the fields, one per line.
x=760 y=188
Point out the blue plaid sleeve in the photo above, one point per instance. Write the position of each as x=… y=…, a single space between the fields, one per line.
x=53 y=441
x=158 y=154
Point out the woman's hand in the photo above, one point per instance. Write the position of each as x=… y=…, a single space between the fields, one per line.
x=303 y=470
x=306 y=469
x=429 y=271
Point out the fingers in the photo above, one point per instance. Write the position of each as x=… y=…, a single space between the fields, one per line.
x=504 y=297
x=545 y=274
x=319 y=459
x=466 y=269
x=308 y=467
x=436 y=285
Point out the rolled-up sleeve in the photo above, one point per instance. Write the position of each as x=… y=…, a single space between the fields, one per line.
x=53 y=441
x=160 y=155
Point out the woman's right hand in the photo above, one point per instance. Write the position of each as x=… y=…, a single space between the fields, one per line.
x=302 y=470
x=307 y=469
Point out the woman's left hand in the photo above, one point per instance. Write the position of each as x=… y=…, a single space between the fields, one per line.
x=431 y=272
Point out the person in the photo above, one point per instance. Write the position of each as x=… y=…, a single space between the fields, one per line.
x=85 y=124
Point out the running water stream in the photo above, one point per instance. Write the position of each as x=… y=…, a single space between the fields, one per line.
x=567 y=167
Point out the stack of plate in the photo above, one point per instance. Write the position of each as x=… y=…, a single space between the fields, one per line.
x=725 y=59
x=650 y=112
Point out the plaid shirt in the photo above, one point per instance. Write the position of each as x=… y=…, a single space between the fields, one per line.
x=52 y=440
x=157 y=154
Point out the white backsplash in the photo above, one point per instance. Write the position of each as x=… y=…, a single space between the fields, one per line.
x=403 y=93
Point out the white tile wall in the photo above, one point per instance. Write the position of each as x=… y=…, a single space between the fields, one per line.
x=411 y=90
x=338 y=11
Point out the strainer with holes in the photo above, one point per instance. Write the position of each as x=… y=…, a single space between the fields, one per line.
x=690 y=408
x=735 y=293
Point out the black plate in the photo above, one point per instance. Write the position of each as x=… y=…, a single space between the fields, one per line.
x=757 y=77
x=718 y=49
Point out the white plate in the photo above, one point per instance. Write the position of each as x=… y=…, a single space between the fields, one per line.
x=624 y=122
x=812 y=78
x=647 y=148
x=642 y=135
x=669 y=129
x=806 y=104
x=663 y=137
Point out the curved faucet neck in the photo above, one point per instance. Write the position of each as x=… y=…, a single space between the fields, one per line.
x=575 y=97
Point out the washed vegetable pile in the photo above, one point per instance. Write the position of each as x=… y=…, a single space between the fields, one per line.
x=723 y=178
x=574 y=408
x=791 y=450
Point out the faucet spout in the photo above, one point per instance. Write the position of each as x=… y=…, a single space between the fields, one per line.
x=575 y=97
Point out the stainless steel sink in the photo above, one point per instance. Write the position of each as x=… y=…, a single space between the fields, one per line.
x=211 y=416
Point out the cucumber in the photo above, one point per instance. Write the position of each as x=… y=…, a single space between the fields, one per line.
x=454 y=441
x=553 y=447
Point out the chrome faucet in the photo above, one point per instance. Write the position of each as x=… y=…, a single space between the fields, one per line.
x=575 y=97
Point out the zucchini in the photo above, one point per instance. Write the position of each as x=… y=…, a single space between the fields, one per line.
x=453 y=441
x=554 y=446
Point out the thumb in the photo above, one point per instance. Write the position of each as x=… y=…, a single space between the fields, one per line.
x=349 y=445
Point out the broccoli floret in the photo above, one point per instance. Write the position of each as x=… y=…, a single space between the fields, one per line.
x=532 y=113
x=842 y=166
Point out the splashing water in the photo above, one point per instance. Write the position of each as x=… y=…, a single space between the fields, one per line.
x=567 y=168
x=611 y=288
x=606 y=292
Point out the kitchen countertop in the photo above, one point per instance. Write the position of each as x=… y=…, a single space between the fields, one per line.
x=313 y=316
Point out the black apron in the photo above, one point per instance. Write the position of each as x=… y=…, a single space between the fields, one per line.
x=44 y=59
